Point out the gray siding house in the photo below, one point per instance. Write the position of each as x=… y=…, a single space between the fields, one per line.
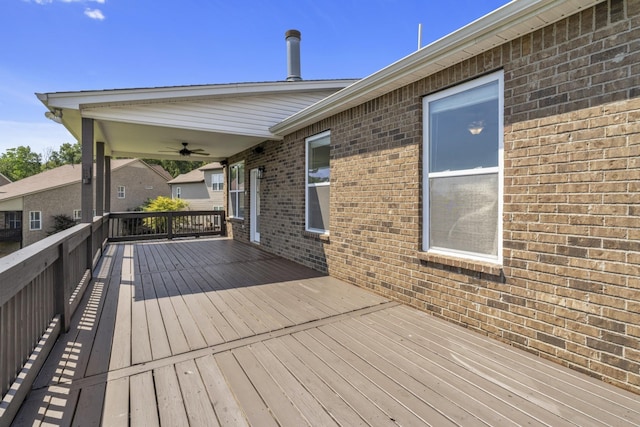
x=202 y=188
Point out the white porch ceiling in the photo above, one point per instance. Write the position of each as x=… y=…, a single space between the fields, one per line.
x=222 y=120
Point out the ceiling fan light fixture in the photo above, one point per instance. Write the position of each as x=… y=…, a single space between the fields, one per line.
x=186 y=152
x=475 y=128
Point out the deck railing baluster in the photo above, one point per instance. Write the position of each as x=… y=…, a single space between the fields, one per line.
x=37 y=282
x=128 y=226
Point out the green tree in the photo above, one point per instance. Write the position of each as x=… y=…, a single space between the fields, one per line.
x=162 y=204
x=176 y=167
x=61 y=222
x=21 y=162
x=68 y=154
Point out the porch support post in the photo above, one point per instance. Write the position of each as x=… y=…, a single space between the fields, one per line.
x=107 y=184
x=99 y=178
x=86 y=196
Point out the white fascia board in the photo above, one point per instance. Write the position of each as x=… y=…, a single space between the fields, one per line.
x=75 y=100
x=510 y=21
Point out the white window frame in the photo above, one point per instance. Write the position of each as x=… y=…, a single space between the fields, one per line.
x=121 y=192
x=77 y=214
x=240 y=193
x=308 y=185
x=33 y=221
x=217 y=181
x=493 y=77
x=178 y=192
x=13 y=220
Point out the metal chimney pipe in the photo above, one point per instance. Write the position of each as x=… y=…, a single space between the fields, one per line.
x=293 y=55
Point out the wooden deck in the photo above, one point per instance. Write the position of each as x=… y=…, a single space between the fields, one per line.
x=214 y=332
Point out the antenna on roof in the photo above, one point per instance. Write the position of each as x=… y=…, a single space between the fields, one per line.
x=419 y=36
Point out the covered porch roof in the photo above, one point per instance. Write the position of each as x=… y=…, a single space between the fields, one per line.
x=220 y=120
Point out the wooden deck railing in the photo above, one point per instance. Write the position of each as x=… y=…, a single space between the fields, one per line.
x=125 y=226
x=40 y=288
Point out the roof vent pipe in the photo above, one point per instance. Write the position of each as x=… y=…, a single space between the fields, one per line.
x=293 y=55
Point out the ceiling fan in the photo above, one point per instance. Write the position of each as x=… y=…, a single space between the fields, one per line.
x=186 y=152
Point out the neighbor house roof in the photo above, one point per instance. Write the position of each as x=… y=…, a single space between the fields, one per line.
x=53 y=178
x=161 y=171
x=210 y=166
x=196 y=175
x=507 y=23
x=4 y=180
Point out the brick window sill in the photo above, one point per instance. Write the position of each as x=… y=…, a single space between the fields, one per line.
x=318 y=236
x=468 y=265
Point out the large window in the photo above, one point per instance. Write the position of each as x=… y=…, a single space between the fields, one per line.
x=317 y=183
x=236 y=190
x=463 y=142
x=217 y=182
x=35 y=220
x=178 y=192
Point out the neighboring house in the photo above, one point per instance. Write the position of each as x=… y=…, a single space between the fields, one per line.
x=27 y=206
x=491 y=178
x=4 y=180
x=202 y=188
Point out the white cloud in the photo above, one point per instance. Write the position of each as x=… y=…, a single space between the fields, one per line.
x=91 y=13
x=94 y=14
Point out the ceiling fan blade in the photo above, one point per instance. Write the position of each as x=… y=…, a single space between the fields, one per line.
x=200 y=154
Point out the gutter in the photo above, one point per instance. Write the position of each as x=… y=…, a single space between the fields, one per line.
x=507 y=23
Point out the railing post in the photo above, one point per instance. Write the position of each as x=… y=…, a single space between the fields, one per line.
x=90 y=248
x=59 y=289
x=223 y=223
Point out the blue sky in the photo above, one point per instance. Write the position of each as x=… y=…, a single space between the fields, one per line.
x=70 y=45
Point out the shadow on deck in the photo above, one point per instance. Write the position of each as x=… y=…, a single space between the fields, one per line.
x=216 y=332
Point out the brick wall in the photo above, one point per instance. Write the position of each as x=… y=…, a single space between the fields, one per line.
x=141 y=183
x=56 y=201
x=569 y=288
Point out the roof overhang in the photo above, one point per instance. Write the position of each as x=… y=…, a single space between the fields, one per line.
x=513 y=20
x=221 y=120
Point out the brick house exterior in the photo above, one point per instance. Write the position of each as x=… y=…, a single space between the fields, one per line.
x=57 y=192
x=568 y=284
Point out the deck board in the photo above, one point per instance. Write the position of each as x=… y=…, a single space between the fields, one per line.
x=269 y=390
x=171 y=409
x=227 y=410
x=512 y=406
x=216 y=332
x=198 y=406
